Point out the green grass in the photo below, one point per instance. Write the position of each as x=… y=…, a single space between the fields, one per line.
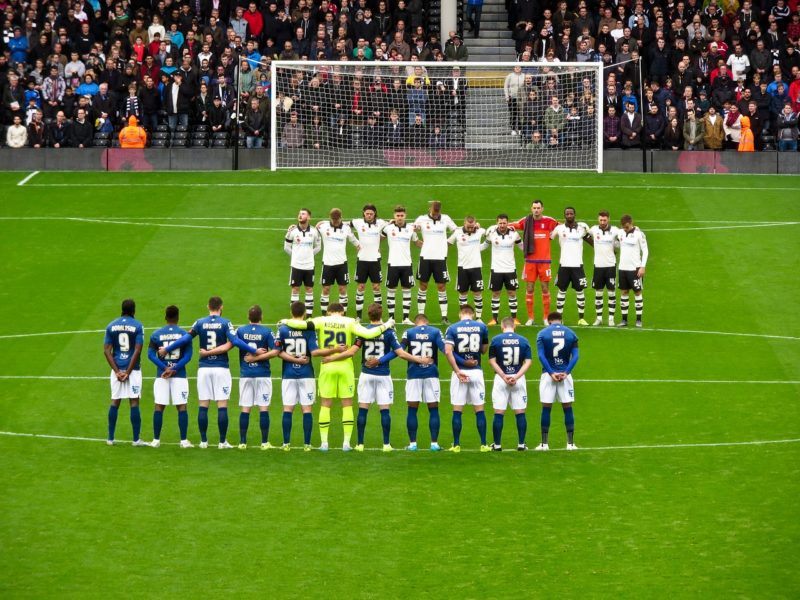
x=79 y=519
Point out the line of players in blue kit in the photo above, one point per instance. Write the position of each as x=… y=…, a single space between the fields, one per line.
x=464 y=344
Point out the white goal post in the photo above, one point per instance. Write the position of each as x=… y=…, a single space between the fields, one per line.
x=501 y=115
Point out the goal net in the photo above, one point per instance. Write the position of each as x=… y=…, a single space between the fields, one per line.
x=415 y=114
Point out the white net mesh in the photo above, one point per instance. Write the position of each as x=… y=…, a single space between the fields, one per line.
x=489 y=115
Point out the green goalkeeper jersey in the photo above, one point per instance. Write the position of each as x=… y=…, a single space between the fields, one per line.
x=338 y=330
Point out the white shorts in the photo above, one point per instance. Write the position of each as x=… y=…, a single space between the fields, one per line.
x=130 y=388
x=375 y=388
x=550 y=391
x=473 y=392
x=174 y=388
x=213 y=383
x=503 y=394
x=255 y=391
x=298 y=390
x=425 y=390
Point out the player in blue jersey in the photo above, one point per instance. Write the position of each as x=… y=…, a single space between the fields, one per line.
x=170 y=383
x=122 y=348
x=510 y=357
x=465 y=342
x=216 y=335
x=296 y=348
x=557 y=347
x=255 y=376
x=375 y=381
x=422 y=380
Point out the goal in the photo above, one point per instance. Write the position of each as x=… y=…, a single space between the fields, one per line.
x=435 y=114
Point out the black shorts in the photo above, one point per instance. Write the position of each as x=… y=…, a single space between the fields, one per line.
x=571 y=275
x=368 y=270
x=469 y=280
x=402 y=275
x=433 y=268
x=498 y=281
x=335 y=274
x=301 y=278
x=604 y=278
x=628 y=281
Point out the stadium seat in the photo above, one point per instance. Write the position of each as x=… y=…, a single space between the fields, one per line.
x=181 y=128
x=219 y=143
x=102 y=135
x=162 y=128
x=220 y=135
x=160 y=143
x=199 y=143
x=102 y=143
x=200 y=127
x=161 y=135
x=200 y=135
x=242 y=142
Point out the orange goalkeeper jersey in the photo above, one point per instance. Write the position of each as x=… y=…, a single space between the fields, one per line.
x=537 y=248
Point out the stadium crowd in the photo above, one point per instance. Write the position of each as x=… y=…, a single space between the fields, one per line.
x=717 y=75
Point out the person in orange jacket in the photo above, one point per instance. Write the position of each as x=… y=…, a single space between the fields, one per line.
x=132 y=136
x=746 y=141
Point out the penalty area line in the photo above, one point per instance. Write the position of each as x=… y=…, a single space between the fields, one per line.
x=48 y=436
x=28 y=178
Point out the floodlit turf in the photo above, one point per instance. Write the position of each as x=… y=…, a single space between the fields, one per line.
x=674 y=514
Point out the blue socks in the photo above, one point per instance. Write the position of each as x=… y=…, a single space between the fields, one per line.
x=569 y=422
x=308 y=423
x=412 y=424
x=522 y=427
x=286 y=423
x=244 y=423
x=112 y=420
x=263 y=422
x=183 y=423
x=361 y=423
x=136 y=422
x=456 y=428
x=158 y=422
x=480 y=420
x=545 y=422
x=222 y=423
x=202 y=423
x=435 y=423
x=497 y=428
x=386 y=424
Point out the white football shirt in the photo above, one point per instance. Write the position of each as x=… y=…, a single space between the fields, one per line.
x=334 y=242
x=302 y=245
x=369 y=235
x=503 y=245
x=434 y=236
x=399 y=240
x=571 y=241
x=605 y=241
x=632 y=249
x=468 y=246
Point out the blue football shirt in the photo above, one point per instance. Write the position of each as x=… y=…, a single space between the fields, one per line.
x=555 y=344
x=298 y=343
x=255 y=336
x=510 y=350
x=424 y=341
x=213 y=331
x=377 y=348
x=123 y=335
x=467 y=338
x=162 y=338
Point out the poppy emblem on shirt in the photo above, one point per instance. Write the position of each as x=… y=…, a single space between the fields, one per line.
x=328 y=234
x=297 y=240
x=427 y=226
x=563 y=235
x=394 y=234
x=598 y=237
x=463 y=238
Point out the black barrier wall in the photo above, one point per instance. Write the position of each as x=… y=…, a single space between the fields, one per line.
x=221 y=159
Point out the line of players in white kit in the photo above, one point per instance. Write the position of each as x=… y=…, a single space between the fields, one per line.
x=435 y=231
x=464 y=344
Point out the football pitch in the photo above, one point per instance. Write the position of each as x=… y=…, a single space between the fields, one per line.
x=687 y=479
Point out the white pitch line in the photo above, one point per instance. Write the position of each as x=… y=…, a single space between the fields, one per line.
x=266 y=185
x=28 y=178
x=174 y=225
x=750 y=226
x=471 y=450
x=401 y=379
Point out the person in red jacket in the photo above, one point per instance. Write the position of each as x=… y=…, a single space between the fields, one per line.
x=535 y=229
x=255 y=20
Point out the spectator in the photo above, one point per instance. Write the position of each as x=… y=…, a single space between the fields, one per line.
x=13 y=99
x=53 y=88
x=611 y=129
x=254 y=125
x=18 y=45
x=455 y=49
x=37 y=131
x=150 y=103
x=732 y=125
x=693 y=132
x=673 y=135
x=132 y=136
x=177 y=102
x=318 y=133
x=514 y=90
x=16 y=134
x=395 y=133
x=654 y=126
x=786 y=126
x=218 y=116
x=630 y=127
x=81 y=132
x=713 y=130
x=58 y=133
x=293 y=134
x=746 y=139
x=417 y=100
x=474 y=9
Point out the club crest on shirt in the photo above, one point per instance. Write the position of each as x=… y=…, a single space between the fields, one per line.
x=226 y=390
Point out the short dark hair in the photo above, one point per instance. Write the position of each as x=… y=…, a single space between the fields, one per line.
x=554 y=316
x=336 y=213
x=503 y=216
x=603 y=213
x=399 y=208
x=172 y=314
x=335 y=307
x=128 y=307
x=467 y=309
x=369 y=207
x=298 y=309
x=254 y=314
x=307 y=210
x=214 y=303
x=625 y=219
x=375 y=311
x=539 y=202
x=436 y=206
x=572 y=208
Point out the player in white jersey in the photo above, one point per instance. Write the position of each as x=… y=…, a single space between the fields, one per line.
x=368 y=266
x=434 y=228
x=571 y=235
x=335 y=234
x=302 y=242
x=467 y=240
x=503 y=240
x=633 y=255
x=603 y=237
x=400 y=235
